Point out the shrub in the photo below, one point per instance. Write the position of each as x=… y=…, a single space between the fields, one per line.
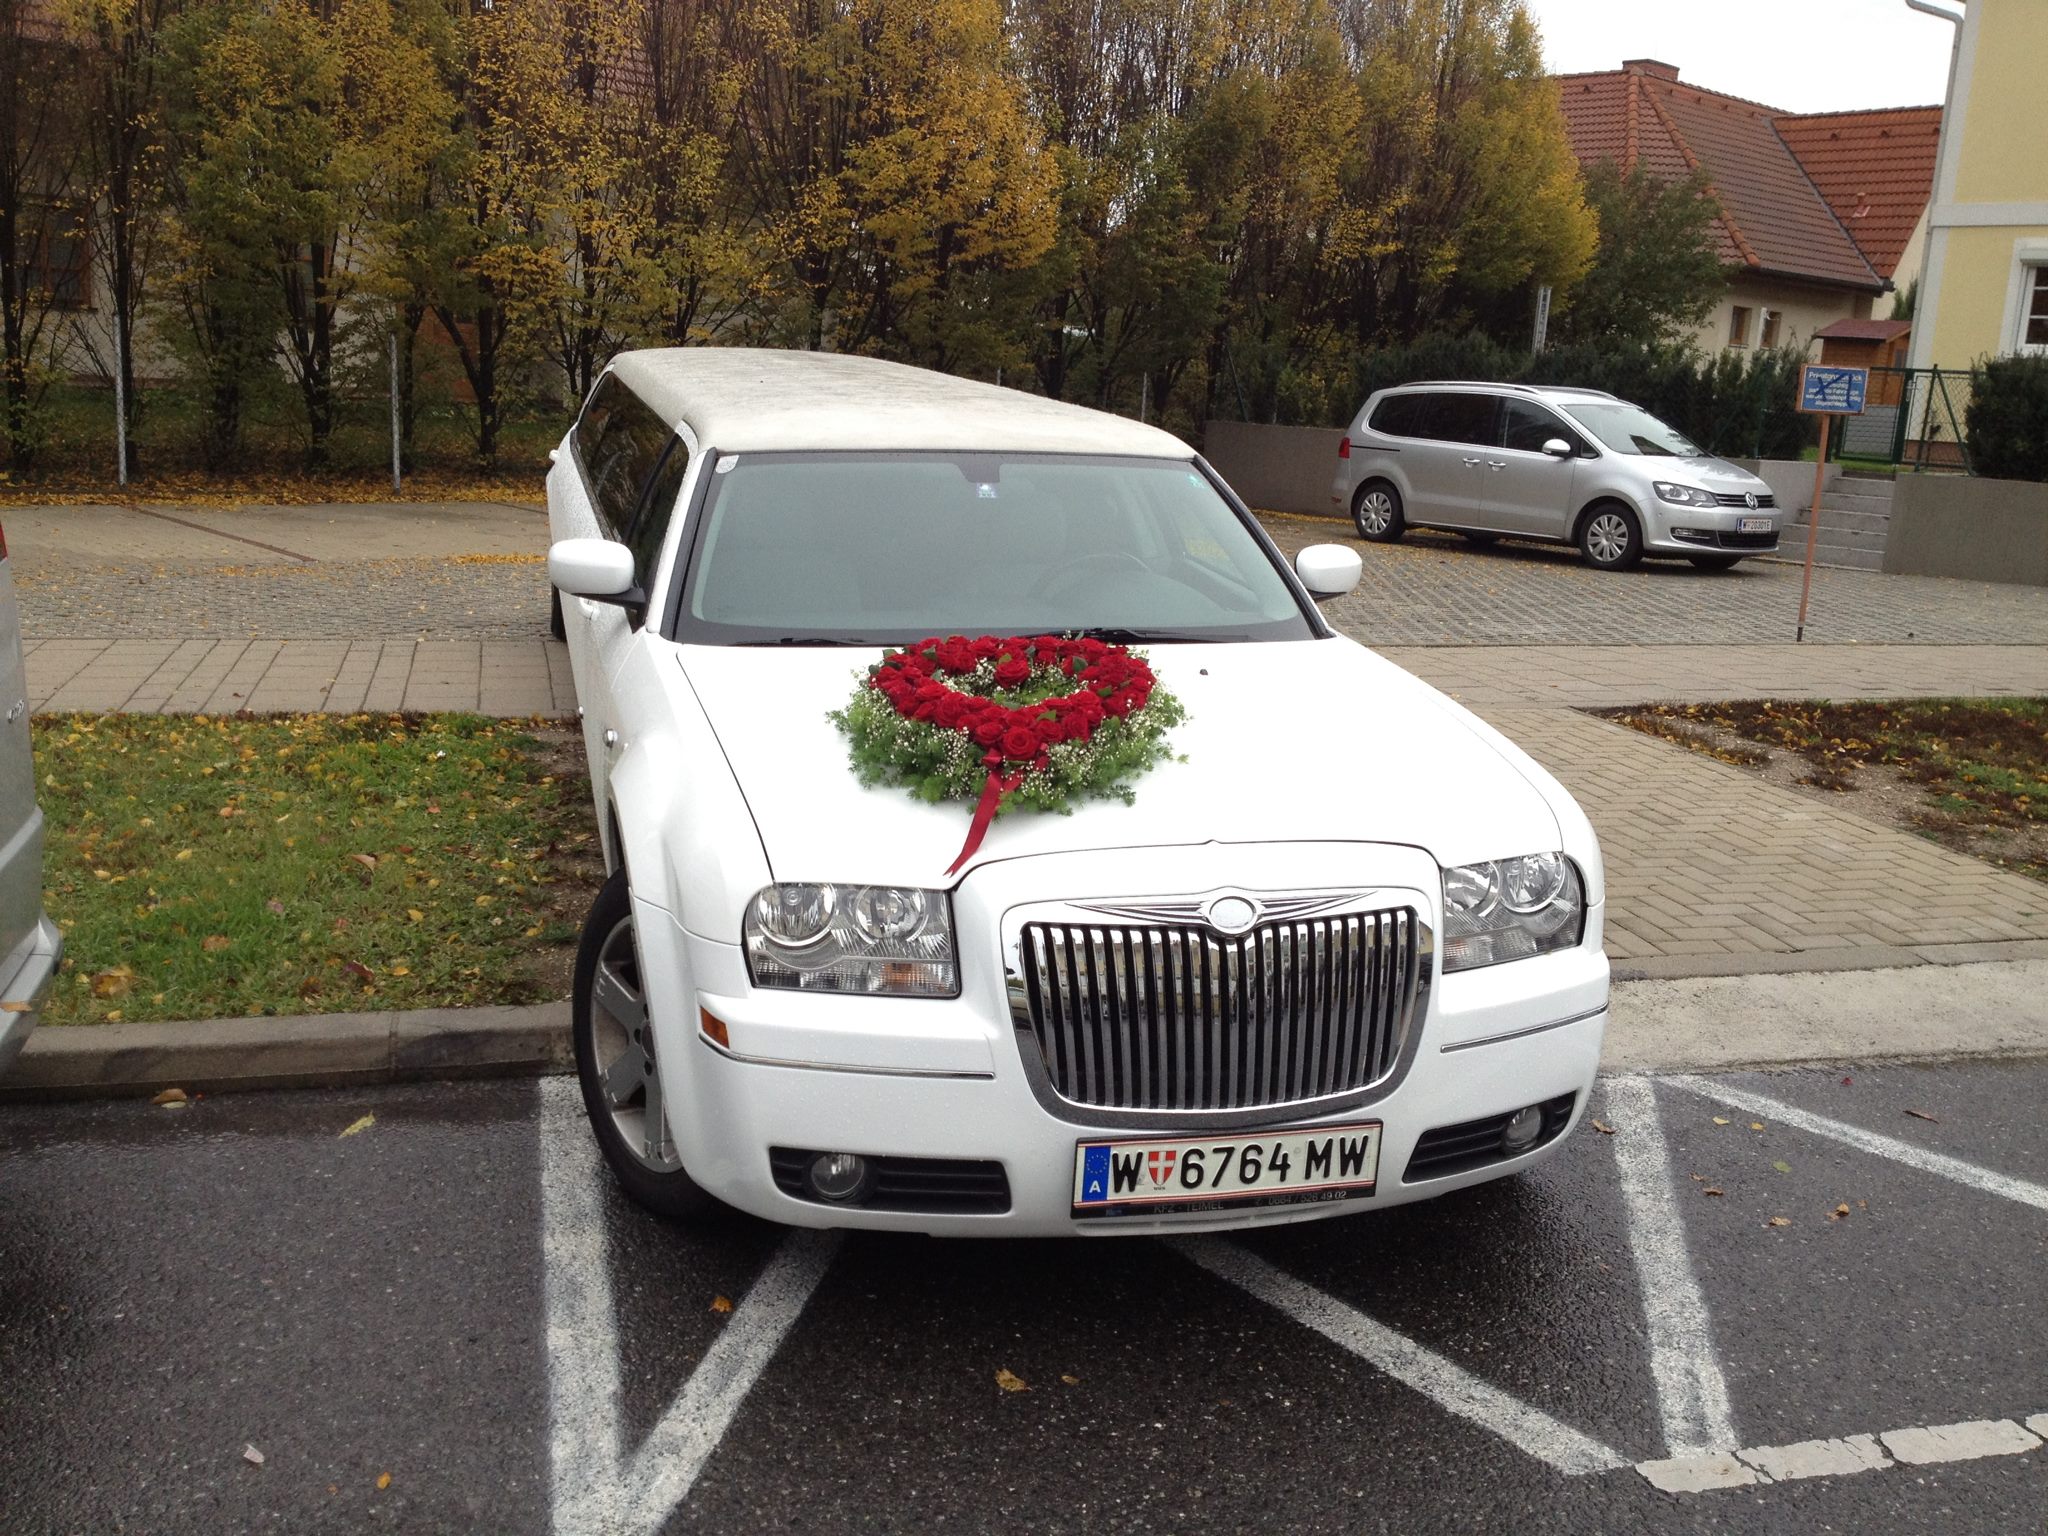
x=2007 y=419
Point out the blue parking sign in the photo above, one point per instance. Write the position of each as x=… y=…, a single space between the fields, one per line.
x=1830 y=391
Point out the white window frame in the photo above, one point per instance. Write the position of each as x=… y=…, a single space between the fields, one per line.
x=2029 y=258
x=1748 y=313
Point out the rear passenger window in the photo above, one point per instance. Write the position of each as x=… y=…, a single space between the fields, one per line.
x=1456 y=418
x=1395 y=416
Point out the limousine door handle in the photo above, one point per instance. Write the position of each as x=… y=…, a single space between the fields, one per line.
x=1496 y=463
x=16 y=710
x=1475 y=463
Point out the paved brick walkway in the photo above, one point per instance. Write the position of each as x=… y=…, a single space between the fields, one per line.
x=201 y=676
x=1436 y=589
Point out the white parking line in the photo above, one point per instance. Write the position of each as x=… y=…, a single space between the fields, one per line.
x=1450 y=1385
x=1923 y=1446
x=1905 y=1152
x=597 y=1485
x=1692 y=1395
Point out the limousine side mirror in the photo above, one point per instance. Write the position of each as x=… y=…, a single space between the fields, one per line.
x=1328 y=570
x=1558 y=448
x=597 y=569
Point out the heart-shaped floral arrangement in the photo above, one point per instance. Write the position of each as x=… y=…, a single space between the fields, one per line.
x=1038 y=722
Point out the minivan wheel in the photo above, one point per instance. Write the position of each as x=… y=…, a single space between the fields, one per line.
x=1376 y=509
x=1715 y=562
x=615 y=1063
x=1610 y=538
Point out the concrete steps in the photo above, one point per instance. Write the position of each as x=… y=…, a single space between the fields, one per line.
x=1855 y=515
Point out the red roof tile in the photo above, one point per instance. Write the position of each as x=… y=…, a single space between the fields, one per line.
x=1773 y=217
x=1876 y=170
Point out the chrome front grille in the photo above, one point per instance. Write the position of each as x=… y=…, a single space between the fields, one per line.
x=1764 y=500
x=1179 y=1018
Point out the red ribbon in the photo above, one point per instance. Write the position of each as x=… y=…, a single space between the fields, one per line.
x=985 y=812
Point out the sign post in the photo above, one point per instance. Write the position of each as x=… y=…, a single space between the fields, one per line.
x=1542 y=335
x=1827 y=393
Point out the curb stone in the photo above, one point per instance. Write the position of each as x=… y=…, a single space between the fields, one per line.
x=78 y=1061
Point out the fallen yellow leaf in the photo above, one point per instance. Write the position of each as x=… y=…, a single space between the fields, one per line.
x=170 y=1096
x=1010 y=1381
x=214 y=943
x=359 y=1125
x=721 y=1303
x=1720 y=1119
x=383 y=1479
x=1779 y=1221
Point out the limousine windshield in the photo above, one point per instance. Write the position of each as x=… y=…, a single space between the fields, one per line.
x=1630 y=429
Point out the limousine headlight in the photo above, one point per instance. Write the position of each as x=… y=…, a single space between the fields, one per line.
x=1510 y=909
x=883 y=939
x=1684 y=495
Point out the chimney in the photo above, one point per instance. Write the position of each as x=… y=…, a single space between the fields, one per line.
x=1655 y=67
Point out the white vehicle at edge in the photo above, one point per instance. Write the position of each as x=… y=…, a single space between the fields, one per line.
x=1344 y=952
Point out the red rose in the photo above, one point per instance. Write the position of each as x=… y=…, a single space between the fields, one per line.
x=1020 y=741
x=953 y=709
x=988 y=731
x=1011 y=672
x=956 y=656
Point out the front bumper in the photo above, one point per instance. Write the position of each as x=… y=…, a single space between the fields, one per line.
x=22 y=994
x=1675 y=530
x=947 y=1080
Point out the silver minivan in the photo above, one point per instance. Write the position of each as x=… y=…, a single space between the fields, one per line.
x=30 y=945
x=1568 y=466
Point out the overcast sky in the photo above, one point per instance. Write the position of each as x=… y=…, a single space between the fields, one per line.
x=1799 y=55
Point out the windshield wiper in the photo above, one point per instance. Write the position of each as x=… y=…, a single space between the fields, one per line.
x=816 y=640
x=1114 y=636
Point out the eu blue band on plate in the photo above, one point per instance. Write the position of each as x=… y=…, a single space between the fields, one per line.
x=1094 y=1174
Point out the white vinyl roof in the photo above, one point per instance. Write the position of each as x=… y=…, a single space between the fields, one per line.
x=752 y=399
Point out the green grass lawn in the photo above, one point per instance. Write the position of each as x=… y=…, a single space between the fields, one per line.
x=206 y=867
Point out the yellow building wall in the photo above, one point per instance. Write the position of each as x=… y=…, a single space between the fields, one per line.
x=2005 y=143
x=1976 y=286
x=1990 y=220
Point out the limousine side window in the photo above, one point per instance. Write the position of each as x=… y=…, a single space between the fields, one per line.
x=1443 y=418
x=1527 y=426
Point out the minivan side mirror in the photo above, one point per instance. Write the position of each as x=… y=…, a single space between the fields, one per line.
x=597 y=569
x=1328 y=570
x=1558 y=448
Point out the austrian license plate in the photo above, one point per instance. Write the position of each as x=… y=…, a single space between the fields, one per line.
x=1758 y=524
x=1163 y=1175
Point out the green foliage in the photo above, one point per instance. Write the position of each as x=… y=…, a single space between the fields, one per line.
x=2007 y=418
x=1656 y=274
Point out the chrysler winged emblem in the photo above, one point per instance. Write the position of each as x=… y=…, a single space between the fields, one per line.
x=1232 y=915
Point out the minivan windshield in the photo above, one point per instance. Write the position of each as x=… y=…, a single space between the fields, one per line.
x=885 y=548
x=1630 y=429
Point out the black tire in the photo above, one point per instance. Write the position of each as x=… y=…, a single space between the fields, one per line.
x=1376 y=512
x=1481 y=539
x=608 y=940
x=556 y=626
x=1715 y=562
x=1610 y=538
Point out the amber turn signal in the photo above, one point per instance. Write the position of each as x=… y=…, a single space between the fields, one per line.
x=714 y=1029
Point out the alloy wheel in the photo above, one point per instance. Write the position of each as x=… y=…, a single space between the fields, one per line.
x=1375 y=512
x=1607 y=537
x=622 y=1039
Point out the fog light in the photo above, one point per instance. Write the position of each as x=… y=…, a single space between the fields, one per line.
x=1521 y=1131
x=839 y=1175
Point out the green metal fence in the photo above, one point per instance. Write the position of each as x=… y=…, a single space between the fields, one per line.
x=1914 y=418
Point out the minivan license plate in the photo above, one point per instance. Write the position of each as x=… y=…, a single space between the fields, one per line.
x=1757 y=525
x=1167 y=1174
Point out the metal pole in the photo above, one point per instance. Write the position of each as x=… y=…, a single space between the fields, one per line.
x=120 y=407
x=1145 y=398
x=397 y=482
x=1820 y=470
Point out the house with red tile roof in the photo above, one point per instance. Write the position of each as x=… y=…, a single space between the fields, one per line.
x=1805 y=245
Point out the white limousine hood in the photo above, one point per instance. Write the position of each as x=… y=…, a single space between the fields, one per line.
x=1311 y=741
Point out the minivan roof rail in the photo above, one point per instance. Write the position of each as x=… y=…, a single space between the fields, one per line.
x=1526 y=389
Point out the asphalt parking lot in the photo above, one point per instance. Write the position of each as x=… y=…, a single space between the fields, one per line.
x=446 y=1319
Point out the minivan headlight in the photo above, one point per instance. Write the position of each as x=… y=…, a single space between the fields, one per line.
x=1684 y=495
x=1510 y=909
x=875 y=939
